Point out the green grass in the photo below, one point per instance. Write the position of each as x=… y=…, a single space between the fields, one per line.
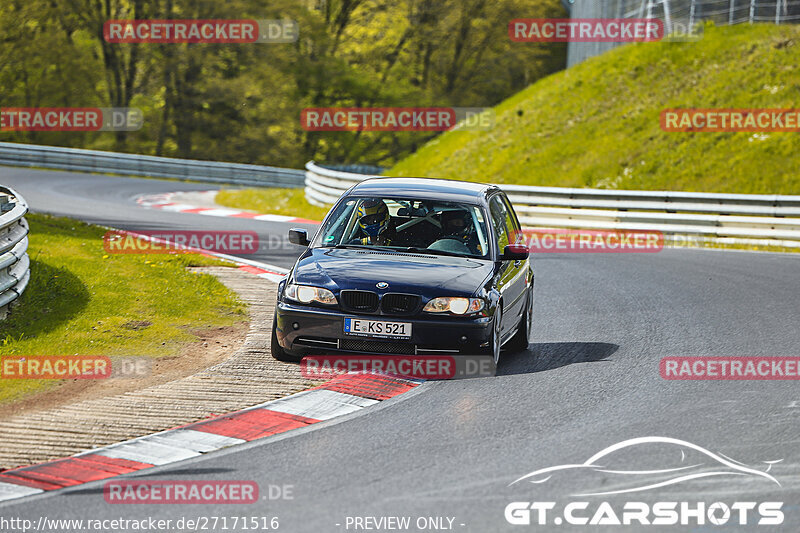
x=289 y=202
x=597 y=124
x=82 y=301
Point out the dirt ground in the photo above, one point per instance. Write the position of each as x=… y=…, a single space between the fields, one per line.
x=228 y=369
x=214 y=346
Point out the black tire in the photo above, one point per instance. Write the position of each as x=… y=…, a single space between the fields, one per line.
x=519 y=342
x=277 y=350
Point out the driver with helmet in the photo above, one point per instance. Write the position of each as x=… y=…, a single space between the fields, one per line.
x=374 y=223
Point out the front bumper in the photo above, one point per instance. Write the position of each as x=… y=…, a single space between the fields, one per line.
x=305 y=329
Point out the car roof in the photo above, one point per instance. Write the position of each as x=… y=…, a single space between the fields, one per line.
x=423 y=188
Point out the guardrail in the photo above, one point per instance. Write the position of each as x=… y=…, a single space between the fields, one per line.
x=14 y=262
x=54 y=157
x=752 y=219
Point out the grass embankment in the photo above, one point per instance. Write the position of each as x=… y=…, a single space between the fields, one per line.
x=82 y=301
x=289 y=202
x=597 y=124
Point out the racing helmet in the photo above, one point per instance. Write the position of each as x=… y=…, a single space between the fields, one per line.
x=457 y=223
x=373 y=216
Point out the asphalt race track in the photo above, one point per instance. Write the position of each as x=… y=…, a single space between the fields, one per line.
x=589 y=380
x=110 y=201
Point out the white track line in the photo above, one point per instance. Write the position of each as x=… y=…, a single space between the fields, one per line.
x=147 y=450
x=319 y=404
x=197 y=441
x=10 y=491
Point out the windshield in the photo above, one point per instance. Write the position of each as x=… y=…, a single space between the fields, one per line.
x=406 y=224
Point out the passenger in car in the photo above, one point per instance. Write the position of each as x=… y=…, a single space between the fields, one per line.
x=457 y=226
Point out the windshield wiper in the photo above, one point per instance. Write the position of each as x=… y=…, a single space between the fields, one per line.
x=409 y=249
x=362 y=247
x=415 y=250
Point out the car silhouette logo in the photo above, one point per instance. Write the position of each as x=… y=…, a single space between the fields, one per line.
x=382 y=285
x=695 y=463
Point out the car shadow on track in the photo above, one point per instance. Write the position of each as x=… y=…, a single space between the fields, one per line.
x=551 y=355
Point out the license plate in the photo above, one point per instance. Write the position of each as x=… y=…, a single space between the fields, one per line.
x=377 y=328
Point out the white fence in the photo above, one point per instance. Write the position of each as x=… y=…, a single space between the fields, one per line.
x=754 y=219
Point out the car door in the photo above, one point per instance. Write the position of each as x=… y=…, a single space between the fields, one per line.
x=511 y=275
x=522 y=266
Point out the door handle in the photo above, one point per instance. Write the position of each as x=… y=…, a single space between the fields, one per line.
x=517 y=263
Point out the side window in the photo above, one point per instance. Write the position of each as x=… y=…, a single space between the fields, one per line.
x=511 y=222
x=500 y=218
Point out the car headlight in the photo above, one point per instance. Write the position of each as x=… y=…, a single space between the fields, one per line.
x=306 y=294
x=457 y=306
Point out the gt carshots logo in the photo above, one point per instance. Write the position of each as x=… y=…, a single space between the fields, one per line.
x=609 y=467
x=642 y=513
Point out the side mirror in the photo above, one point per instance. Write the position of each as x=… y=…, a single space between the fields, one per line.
x=298 y=236
x=514 y=252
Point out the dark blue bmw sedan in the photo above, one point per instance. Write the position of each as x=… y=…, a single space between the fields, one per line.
x=409 y=266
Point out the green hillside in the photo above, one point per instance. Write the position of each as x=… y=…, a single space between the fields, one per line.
x=597 y=124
